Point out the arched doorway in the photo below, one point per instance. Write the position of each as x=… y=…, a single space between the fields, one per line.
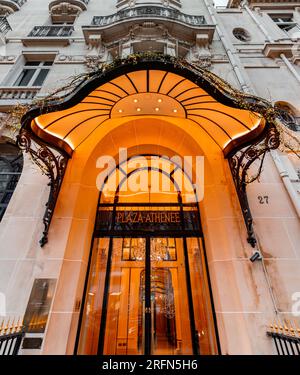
x=147 y=290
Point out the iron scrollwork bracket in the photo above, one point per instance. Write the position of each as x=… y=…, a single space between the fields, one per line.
x=52 y=164
x=240 y=164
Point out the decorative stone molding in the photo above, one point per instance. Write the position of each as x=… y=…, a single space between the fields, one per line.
x=274 y=50
x=66 y=10
x=296 y=53
x=163 y=30
x=71 y=59
x=8 y=59
x=266 y=4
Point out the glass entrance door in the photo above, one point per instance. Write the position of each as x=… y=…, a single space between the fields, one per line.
x=155 y=299
x=148 y=304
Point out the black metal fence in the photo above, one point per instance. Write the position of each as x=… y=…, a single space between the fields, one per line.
x=286 y=339
x=11 y=336
x=11 y=343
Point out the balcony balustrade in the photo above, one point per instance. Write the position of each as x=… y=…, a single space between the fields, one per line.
x=18 y=93
x=149 y=12
x=4 y=26
x=51 y=31
x=49 y=35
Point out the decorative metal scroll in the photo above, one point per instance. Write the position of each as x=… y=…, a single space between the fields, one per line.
x=52 y=165
x=240 y=164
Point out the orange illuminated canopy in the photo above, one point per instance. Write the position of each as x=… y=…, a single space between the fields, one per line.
x=147 y=92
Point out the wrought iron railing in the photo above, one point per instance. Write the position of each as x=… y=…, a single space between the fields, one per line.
x=151 y=12
x=4 y=26
x=19 y=2
x=51 y=31
x=286 y=339
x=11 y=336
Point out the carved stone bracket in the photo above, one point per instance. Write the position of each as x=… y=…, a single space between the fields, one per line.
x=53 y=164
x=240 y=164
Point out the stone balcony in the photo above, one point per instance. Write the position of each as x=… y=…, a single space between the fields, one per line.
x=184 y=27
x=10 y=95
x=66 y=10
x=49 y=35
x=10 y=6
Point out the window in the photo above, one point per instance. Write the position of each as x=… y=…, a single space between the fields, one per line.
x=284 y=21
x=33 y=73
x=288 y=117
x=11 y=165
x=241 y=34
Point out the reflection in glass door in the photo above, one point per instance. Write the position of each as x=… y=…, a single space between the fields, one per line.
x=155 y=299
x=171 y=329
x=148 y=307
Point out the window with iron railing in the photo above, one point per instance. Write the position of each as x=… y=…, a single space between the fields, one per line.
x=51 y=31
x=285 y=22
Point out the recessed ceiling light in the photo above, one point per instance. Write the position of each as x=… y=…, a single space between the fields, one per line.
x=157 y=109
x=135 y=100
x=138 y=109
x=159 y=100
x=120 y=110
x=175 y=110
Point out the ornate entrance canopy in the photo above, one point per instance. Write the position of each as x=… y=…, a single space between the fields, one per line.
x=156 y=86
x=149 y=88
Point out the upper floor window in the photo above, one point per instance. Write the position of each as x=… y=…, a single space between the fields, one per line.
x=11 y=165
x=33 y=73
x=285 y=22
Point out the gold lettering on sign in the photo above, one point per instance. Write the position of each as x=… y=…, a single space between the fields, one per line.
x=147 y=217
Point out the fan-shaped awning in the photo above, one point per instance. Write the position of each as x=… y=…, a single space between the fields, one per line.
x=145 y=89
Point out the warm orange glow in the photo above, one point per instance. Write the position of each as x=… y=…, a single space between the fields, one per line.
x=177 y=98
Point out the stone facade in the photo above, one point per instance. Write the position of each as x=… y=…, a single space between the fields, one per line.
x=255 y=47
